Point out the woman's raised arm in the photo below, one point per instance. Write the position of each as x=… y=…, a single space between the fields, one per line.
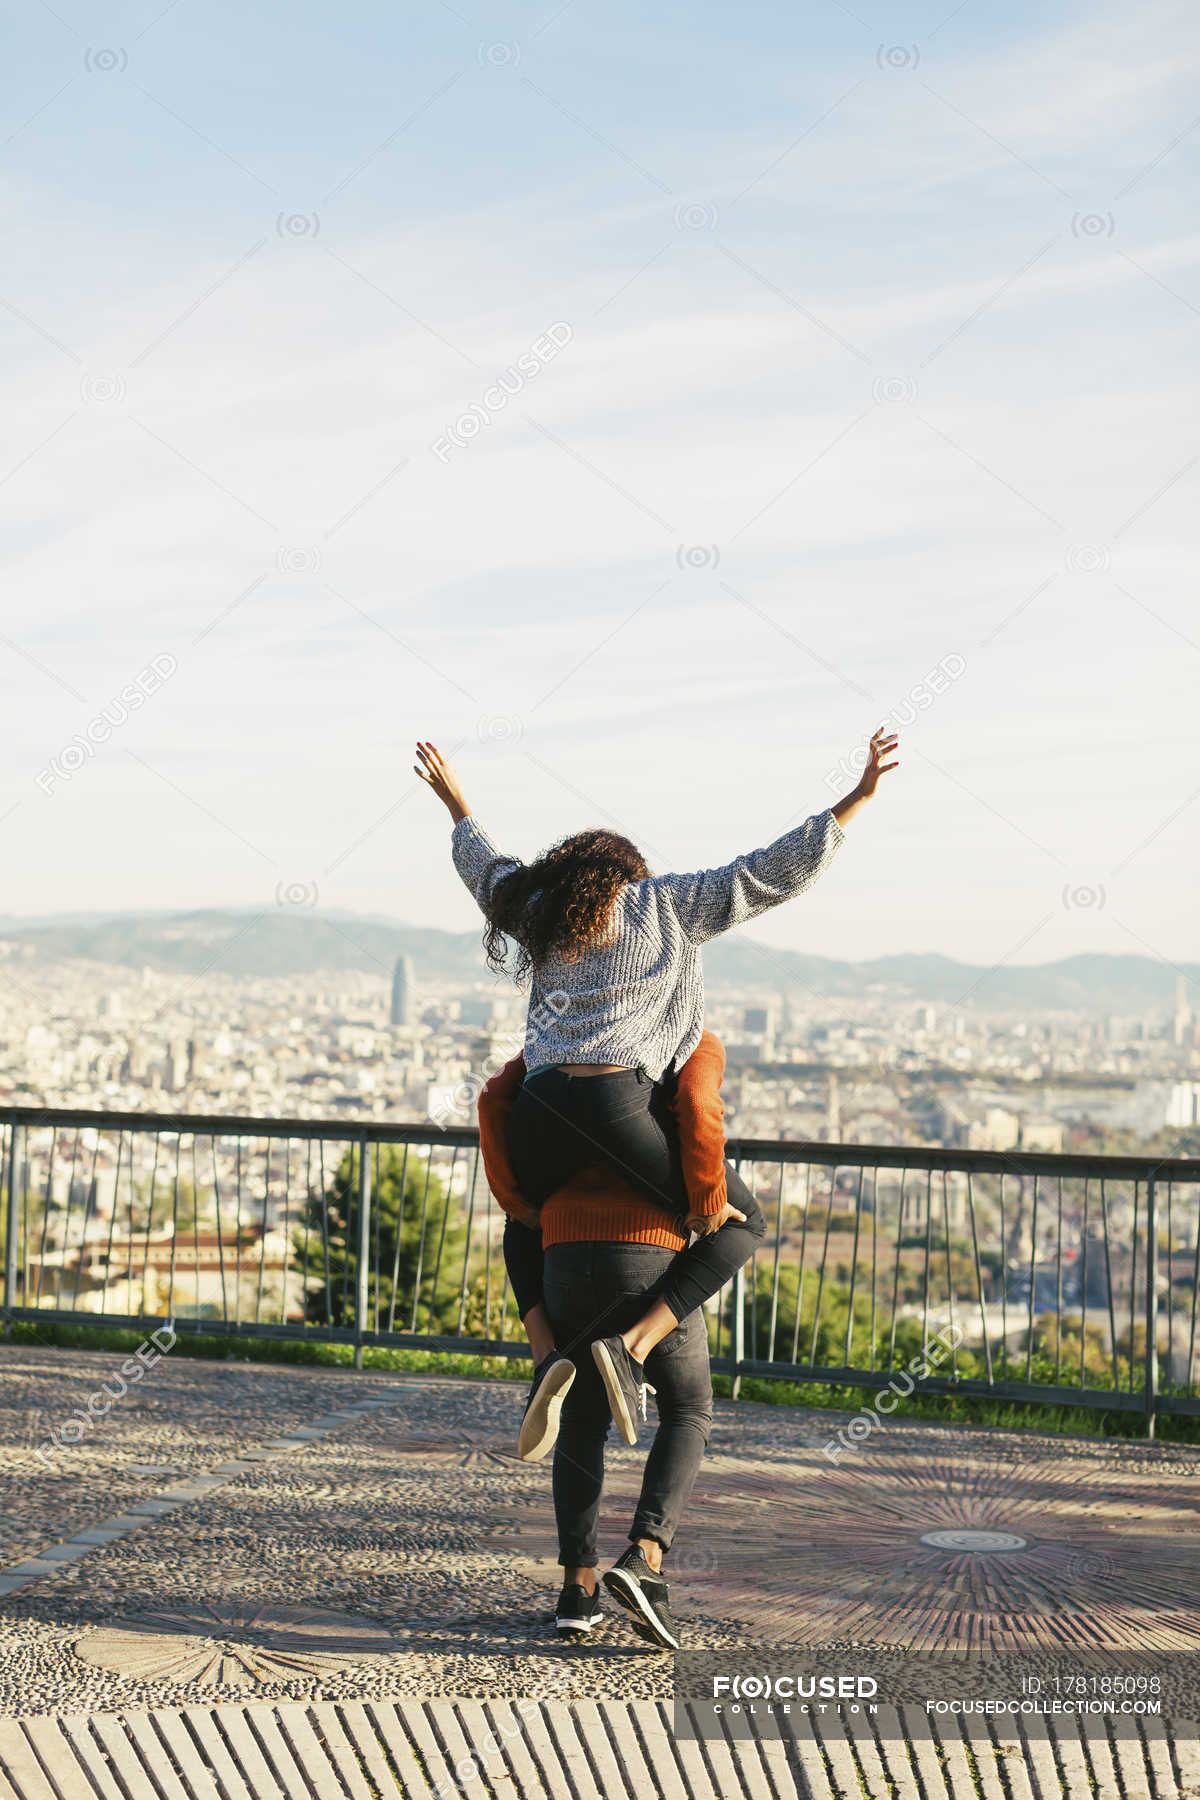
x=714 y=900
x=476 y=858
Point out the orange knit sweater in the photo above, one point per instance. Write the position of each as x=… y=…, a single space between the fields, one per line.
x=598 y=1206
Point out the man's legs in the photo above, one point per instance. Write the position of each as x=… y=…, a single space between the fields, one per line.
x=578 y=1478
x=680 y=1373
x=590 y=1289
x=682 y=1378
x=553 y=1374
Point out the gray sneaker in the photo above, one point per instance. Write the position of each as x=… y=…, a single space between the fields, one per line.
x=551 y=1383
x=625 y=1384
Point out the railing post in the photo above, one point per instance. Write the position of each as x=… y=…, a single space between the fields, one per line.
x=10 y=1232
x=737 y=1331
x=1151 y=1304
x=361 y=1269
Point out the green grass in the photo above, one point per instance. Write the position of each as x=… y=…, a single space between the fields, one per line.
x=212 y=1347
x=959 y=1409
x=970 y=1409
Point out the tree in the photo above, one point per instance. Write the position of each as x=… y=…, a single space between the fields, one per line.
x=414 y=1241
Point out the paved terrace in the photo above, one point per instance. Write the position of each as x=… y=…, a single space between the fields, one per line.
x=255 y=1583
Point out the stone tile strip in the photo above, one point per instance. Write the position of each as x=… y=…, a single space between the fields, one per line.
x=876 y=1782
x=363 y=1754
x=135 y=1779
x=412 y=1750
x=658 y=1748
x=417 y=1723
x=21 y=1768
x=323 y=1759
x=56 y=1556
x=398 y=1745
x=171 y=1777
x=173 y=1739
x=215 y=1753
x=897 y=1768
x=929 y=1769
x=590 y=1727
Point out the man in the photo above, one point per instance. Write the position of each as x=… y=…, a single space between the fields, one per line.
x=618 y=1273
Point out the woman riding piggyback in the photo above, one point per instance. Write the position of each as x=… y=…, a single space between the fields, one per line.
x=612 y=953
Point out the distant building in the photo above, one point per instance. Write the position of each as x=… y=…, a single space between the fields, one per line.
x=760 y=1021
x=175 y=1065
x=1183 y=1104
x=1001 y=1130
x=403 y=1010
x=1042 y=1134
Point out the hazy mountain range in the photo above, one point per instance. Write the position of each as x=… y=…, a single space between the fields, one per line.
x=294 y=941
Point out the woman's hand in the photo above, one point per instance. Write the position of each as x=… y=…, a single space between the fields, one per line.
x=442 y=779
x=878 y=750
x=880 y=747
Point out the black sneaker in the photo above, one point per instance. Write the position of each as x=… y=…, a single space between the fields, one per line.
x=552 y=1379
x=643 y=1594
x=577 y=1610
x=625 y=1384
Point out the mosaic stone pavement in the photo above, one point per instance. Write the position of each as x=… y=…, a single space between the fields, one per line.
x=314 y=1541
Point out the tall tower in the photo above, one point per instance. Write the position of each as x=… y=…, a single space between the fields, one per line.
x=1183 y=1012
x=833 y=1111
x=402 y=992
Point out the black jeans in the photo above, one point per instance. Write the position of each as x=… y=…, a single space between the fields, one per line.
x=693 y=1275
x=561 y=1122
x=592 y=1291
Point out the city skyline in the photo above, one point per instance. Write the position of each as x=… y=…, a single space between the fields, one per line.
x=295 y=937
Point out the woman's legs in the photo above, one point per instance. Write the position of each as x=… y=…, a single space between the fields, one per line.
x=698 y=1272
x=701 y=1270
x=561 y=1122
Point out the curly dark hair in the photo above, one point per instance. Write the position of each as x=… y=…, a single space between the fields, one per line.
x=559 y=905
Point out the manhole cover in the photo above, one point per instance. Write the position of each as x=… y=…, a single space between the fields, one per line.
x=974 y=1540
x=234 y=1648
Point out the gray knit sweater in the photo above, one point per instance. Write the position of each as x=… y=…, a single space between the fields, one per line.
x=638 y=998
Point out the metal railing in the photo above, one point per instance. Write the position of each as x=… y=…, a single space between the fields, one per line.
x=1068 y=1279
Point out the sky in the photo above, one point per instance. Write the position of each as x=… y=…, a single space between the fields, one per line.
x=848 y=359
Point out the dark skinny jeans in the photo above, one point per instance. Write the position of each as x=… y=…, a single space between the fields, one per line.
x=561 y=1122
x=592 y=1291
